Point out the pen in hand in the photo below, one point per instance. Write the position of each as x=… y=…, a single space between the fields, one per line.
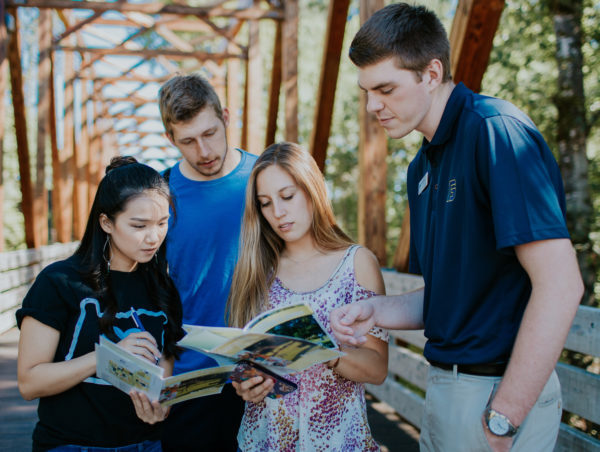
x=138 y=323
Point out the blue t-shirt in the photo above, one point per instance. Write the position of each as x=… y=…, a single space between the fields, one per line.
x=202 y=247
x=485 y=183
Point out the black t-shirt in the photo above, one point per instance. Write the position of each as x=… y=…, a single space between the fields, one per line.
x=92 y=413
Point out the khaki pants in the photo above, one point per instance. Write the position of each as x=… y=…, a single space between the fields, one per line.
x=455 y=403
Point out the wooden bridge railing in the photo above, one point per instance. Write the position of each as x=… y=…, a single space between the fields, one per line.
x=406 y=383
x=405 y=386
x=18 y=269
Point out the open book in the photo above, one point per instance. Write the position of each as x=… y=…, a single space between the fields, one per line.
x=127 y=371
x=285 y=340
x=282 y=341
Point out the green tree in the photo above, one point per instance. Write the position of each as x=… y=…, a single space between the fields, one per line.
x=572 y=131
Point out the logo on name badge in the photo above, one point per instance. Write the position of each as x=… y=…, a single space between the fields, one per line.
x=451 y=190
x=423 y=183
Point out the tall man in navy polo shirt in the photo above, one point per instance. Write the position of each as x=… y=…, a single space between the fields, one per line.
x=488 y=235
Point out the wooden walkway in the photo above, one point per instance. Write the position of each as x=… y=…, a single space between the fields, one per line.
x=18 y=417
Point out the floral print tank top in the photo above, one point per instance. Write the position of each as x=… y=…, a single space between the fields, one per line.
x=327 y=412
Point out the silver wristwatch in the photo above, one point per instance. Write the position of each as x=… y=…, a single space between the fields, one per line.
x=499 y=424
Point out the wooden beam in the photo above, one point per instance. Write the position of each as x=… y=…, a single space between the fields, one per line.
x=18 y=101
x=81 y=163
x=93 y=150
x=275 y=88
x=43 y=129
x=174 y=23
x=290 y=69
x=471 y=39
x=58 y=181
x=234 y=129
x=219 y=85
x=67 y=152
x=126 y=43
x=372 y=153
x=330 y=65
x=73 y=28
x=254 y=90
x=245 y=112
x=96 y=146
x=137 y=118
x=3 y=91
x=151 y=53
x=252 y=13
x=131 y=78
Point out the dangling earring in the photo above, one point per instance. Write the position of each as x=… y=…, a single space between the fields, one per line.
x=106 y=259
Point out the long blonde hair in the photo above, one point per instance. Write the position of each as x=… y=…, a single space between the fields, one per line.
x=261 y=247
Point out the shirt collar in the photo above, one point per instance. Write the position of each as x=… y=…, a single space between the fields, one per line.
x=452 y=112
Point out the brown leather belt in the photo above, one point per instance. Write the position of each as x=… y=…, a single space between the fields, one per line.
x=486 y=370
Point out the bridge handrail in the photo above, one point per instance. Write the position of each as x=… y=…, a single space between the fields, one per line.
x=18 y=269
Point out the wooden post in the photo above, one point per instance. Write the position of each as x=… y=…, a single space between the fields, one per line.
x=218 y=83
x=43 y=129
x=245 y=112
x=290 y=69
x=94 y=148
x=62 y=160
x=253 y=90
x=81 y=162
x=3 y=90
x=275 y=89
x=330 y=65
x=234 y=131
x=16 y=79
x=372 y=153
x=59 y=233
x=471 y=39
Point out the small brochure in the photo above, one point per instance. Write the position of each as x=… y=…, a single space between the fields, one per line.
x=126 y=371
x=278 y=342
x=284 y=340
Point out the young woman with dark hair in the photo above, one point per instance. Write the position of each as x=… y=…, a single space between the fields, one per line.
x=118 y=270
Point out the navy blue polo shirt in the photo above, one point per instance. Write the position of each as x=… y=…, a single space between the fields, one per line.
x=485 y=183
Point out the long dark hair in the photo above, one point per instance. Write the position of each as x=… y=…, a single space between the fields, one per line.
x=126 y=179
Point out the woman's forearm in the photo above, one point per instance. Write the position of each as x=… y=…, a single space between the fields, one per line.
x=365 y=364
x=47 y=379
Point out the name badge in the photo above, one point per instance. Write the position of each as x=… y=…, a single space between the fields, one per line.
x=423 y=183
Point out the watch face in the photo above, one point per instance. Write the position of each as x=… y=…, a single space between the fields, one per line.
x=498 y=426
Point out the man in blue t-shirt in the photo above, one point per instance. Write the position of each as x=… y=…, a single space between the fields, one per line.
x=488 y=234
x=208 y=186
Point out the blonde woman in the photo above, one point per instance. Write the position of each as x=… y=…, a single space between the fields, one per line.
x=292 y=251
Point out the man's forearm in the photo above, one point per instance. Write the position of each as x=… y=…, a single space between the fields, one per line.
x=540 y=340
x=399 y=312
x=538 y=346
